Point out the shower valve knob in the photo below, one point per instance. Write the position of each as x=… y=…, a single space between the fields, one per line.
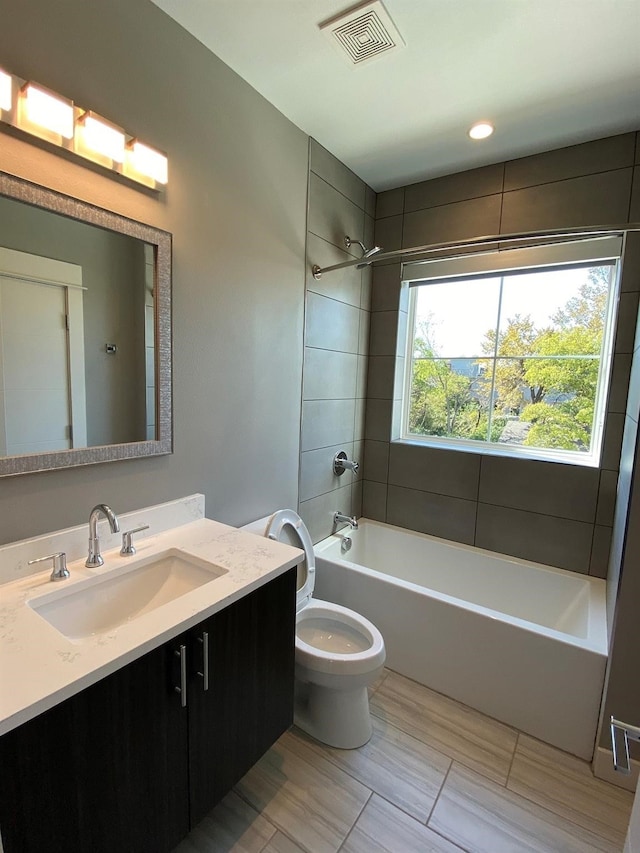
x=342 y=464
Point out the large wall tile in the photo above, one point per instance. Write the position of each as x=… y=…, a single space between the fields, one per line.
x=438 y=515
x=388 y=233
x=334 y=172
x=376 y=460
x=378 y=419
x=431 y=469
x=385 y=288
x=326 y=422
x=602 y=155
x=380 y=381
x=318 y=512
x=331 y=324
x=316 y=471
x=630 y=280
x=361 y=377
x=612 y=441
x=390 y=203
x=384 y=333
x=374 y=500
x=568 y=491
x=364 y=321
x=590 y=200
x=532 y=536
x=360 y=406
x=458 y=221
x=329 y=375
x=633 y=400
x=332 y=215
x=370 y=198
x=627 y=322
x=619 y=384
x=600 y=550
x=459 y=187
x=607 y=497
x=344 y=285
x=634 y=211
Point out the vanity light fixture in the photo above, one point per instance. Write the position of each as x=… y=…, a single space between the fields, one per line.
x=100 y=137
x=41 y=110
x=481 y=130
x=35 y=110
x=5 y=91
x=146 y=161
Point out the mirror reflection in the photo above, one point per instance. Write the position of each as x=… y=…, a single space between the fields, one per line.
x=80 y=322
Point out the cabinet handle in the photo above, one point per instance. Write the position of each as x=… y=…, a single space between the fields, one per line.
x=182 y=690
x=204 y=639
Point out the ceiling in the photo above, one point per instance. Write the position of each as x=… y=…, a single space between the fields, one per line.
x=547 y=73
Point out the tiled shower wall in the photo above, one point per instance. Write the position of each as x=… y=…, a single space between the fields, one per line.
x=548 y=512
x=336 y=341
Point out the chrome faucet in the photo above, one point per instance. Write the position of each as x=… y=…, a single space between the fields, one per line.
x=95 y=558
x=339 y=518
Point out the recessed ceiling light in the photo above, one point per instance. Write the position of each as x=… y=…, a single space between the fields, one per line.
x=481 y=130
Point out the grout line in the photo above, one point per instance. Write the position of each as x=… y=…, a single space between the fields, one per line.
x=355 y=821
x=329 y=184
x=513 y=758
x=435 y=802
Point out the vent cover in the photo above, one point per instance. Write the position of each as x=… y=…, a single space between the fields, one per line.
x=363 y=33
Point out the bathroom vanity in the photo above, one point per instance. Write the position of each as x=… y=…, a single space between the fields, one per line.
x=154 y=721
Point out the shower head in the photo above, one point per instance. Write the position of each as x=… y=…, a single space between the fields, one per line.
x=366 y=253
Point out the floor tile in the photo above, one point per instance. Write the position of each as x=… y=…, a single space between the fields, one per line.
x=231 y=827
x=382 y=828
x=395 y=765
x=315 y=805
x=565 y=785
x=378 y=682
x=463 y=734
x=281 y=844
x=484 y=817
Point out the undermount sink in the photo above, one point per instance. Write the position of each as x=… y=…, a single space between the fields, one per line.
x=100 y=604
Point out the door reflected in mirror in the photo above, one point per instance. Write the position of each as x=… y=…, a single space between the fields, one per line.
x=85 y=337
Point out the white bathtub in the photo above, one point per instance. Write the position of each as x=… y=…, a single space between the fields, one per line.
x=522 y=642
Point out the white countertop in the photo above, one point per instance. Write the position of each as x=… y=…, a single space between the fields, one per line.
x=40 y=667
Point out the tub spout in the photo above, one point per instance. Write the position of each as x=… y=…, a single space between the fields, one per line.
x=339 y=518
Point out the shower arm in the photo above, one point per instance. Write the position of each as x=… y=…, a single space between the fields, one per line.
x=562 y=235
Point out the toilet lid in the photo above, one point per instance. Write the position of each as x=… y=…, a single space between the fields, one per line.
x=289 y=521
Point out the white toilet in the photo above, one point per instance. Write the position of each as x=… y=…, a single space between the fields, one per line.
x=338 y=652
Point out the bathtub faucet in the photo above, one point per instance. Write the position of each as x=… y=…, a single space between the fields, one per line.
x=339 y=518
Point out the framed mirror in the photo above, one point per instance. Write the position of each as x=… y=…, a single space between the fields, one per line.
x=85 y=333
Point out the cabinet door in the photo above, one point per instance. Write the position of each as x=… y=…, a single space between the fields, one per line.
x=105 y=770
x=249 y=703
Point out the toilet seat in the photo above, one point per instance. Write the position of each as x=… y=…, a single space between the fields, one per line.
x=274 y=530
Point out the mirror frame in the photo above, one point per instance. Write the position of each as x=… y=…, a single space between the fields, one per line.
x=29 y=463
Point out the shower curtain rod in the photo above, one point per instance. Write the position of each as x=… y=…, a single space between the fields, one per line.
x=568 y=234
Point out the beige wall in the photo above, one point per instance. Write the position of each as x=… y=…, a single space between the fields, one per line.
x=236 y=206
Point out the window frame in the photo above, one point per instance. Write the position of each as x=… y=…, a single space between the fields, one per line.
x=569 y=253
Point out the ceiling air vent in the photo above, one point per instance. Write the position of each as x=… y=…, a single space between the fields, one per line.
x=363 y=33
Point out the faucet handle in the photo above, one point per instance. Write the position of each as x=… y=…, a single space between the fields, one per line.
x=127 y=544
x=60 y=571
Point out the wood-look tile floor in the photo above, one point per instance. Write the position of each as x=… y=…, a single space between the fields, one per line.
x=436 y=777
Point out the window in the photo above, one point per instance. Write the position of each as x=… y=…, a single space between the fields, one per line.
x=509 y=352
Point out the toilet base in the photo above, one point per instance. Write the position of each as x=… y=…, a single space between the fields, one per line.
x=339 y=718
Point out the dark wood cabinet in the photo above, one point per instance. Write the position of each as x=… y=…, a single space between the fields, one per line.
x=124 y=766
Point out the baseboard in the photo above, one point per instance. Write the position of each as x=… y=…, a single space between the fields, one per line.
x=603 y=769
